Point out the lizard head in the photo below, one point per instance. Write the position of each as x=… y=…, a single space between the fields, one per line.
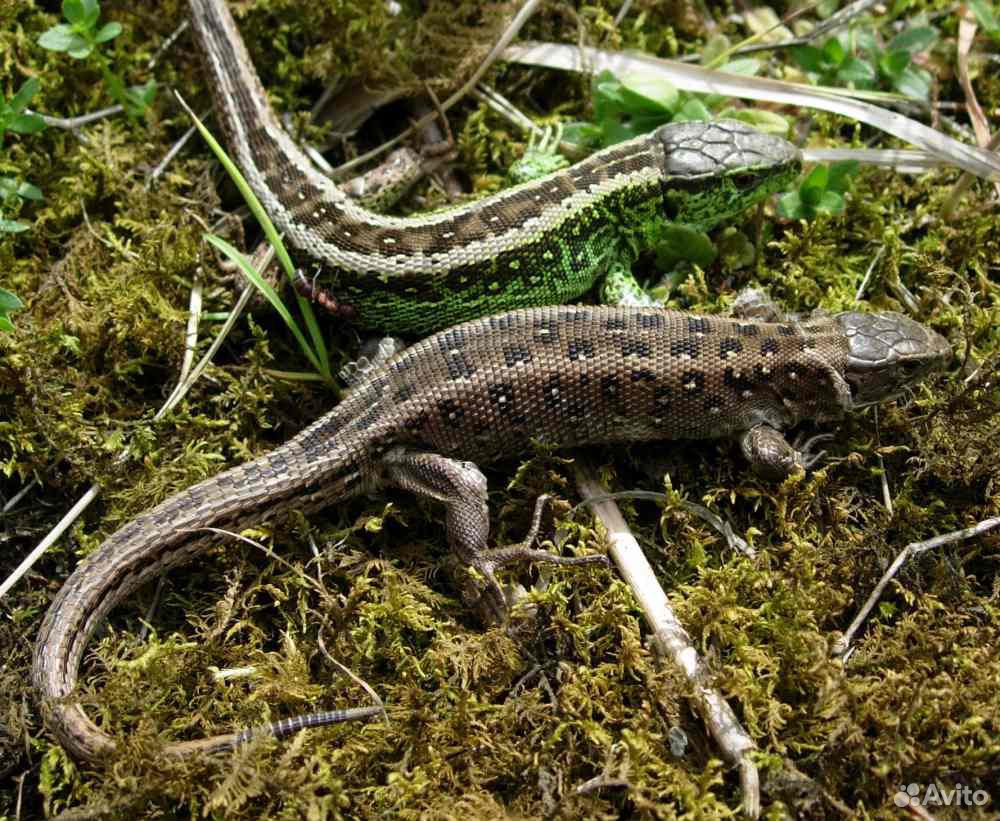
x=887 y=352
x=715 y=170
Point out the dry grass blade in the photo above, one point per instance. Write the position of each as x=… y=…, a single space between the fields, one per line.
x=707 y=81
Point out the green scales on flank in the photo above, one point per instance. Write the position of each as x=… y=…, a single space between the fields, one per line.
x=542 y=242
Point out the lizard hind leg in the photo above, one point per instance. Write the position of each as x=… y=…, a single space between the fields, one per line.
x=461 y=487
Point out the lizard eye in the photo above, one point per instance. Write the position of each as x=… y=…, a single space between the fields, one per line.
x=744 y=180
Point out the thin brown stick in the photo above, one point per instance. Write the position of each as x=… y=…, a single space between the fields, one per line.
x=842 y=646
x=672 y=641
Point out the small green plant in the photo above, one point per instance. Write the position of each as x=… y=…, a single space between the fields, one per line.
x=8 y=303
x=12 y=112
x=821 y=192
x=11 y=189
x=638 y=103
x=80 y=38
x=315 y=352
x=856 y=59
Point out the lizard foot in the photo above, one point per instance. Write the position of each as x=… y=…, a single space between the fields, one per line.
x=806 y=456
x=320 y=295
x=492 y=597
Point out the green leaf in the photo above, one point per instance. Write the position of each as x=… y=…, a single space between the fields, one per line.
x=693 y=109
x=12 y=226
x=986 y=17
x=857 y=71
x=73 y=11
x=744 y=66
x=914 y=83
x=834 y=51
x=816 y=179
x=606 y=93
x=27 y=191
x=830 y=203
x=108 y=32
x=116 y=88
x=715 y=46
x=810 y=58
x=19 y=102
x=893 y=63
x=583 y=134
x=790 y=206
x=63 y=38
x=9 y=302
x=6 y=324
x=26 y=124
x=769 y=122
x=866 y=42
x=81 y=51
x=140 y=97
x=613 y=131
x=914 y=40
x=641 y=92
x=82 y=14
x=679 y=242
x=839 y=178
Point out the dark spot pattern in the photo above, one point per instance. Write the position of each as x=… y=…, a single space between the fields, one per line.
x=403 y=392
x=504 y=322
x=367 y=420
x=452 y=340
x=611 y=386
x=685 y=347
x=786 y=330
x=635 y=347
x=552 y=392
x=502 y=396
x=662 y=399
x=697 y=325
x=693 y=382
x=769 y=345
x=747 y=330
x=652 y=322
x=580 y=349
x=737 y=381
x=546 y=331
x=642 y=375
x=615 y=324
x=458 y=366
x=512 y=355
x=451 y=412
x=729 y=348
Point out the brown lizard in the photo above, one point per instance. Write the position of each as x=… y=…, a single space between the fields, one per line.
x=483 y=390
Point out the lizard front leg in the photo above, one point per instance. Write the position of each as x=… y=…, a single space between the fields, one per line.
x=774 y=457
x=461 y=487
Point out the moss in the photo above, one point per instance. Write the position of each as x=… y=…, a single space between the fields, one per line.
x=569 y=715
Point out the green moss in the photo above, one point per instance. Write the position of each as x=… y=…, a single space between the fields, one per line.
x=482 y=723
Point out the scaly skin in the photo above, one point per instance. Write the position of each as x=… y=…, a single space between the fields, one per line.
x=544 y=242
x=480 y=391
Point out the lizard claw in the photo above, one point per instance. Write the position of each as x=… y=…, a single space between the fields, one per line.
x=804 y=448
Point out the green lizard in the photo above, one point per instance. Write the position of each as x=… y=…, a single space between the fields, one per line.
x=543 y=242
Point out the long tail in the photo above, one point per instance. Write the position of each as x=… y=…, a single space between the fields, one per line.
x=308 y=472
